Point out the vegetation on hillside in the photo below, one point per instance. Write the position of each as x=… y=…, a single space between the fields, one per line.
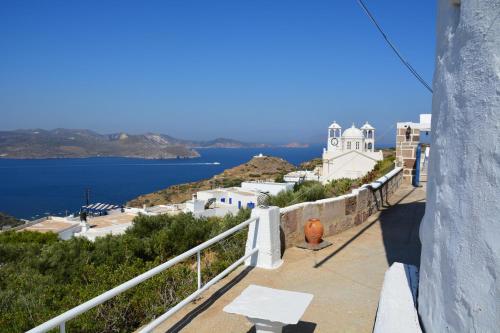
x=310 y=165
x=8 y=221
x=313 y=190
x=41 y=276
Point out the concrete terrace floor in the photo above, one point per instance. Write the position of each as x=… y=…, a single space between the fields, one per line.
x=345 y=278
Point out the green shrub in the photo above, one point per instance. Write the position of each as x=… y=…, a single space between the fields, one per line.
x=341 y=186
x=279 y=178
x=41 y=276
x=313 y=190
x=282 y=199
x=307 y=191
x=231 y=182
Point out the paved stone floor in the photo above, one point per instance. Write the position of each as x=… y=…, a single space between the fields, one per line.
x=344 y=278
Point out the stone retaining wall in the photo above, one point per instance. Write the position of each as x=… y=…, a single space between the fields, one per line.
x=339 y=213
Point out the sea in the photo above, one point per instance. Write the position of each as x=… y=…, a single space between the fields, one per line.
x=30 y=189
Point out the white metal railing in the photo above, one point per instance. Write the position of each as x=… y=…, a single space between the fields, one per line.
x=70 y=314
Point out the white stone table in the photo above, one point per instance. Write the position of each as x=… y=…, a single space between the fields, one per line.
x=269 y=309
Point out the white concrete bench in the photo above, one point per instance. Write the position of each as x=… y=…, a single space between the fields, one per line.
x=397 y=311
x=270 y=309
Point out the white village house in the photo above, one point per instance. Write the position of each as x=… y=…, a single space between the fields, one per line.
x=222 y=201
x=301 y=176
x=271 y=188
x=350 y=154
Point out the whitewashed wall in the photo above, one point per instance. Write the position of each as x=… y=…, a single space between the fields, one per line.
x=459 y=287
x=350 y=164
x=272 y=188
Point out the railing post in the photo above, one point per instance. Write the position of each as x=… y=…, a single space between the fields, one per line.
x=62 y=328
x=198 y=257
x=264 y=234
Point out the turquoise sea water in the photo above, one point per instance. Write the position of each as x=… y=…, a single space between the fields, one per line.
x=33 y=188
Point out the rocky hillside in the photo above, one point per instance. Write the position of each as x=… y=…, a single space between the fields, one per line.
x=311 y=164
x=62 y=143
x=258 y=168
x=7 y=221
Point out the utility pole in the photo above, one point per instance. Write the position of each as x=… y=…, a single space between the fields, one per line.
x=87 y=195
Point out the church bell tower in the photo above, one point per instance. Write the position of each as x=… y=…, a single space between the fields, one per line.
x=369 y=134
x=334 y=133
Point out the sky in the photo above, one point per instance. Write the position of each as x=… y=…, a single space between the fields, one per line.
x=259 y=71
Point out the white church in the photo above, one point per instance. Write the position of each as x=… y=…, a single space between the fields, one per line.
x=350 y=154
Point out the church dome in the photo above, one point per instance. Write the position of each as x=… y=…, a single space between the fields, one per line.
x=334 y=125
x=367 y=126
x=353 y=133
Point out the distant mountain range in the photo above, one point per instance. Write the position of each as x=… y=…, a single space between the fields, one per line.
x=66 y=143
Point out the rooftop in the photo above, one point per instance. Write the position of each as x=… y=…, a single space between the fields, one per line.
x=334 y=125
x=110 y=220
x=216 y=190
x=345 y=278
x=238 y=190
x=353 y=132
x=108 y=224
x=300 y=173
x=262 y=182
x=52 y=224
x=367 y=126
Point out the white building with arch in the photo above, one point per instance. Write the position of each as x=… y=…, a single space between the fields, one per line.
x=349 y=154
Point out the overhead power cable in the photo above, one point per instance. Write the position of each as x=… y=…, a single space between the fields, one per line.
x=393 y=47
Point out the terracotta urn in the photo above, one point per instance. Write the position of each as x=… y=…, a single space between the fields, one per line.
x=313 y=231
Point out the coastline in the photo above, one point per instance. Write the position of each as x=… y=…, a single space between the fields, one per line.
x=33 y=187
x=198 y=155
x=97 y=156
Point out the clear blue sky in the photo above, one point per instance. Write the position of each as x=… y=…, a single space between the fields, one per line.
x=273 y=71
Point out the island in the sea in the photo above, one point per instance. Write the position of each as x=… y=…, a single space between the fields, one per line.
x=78 y=143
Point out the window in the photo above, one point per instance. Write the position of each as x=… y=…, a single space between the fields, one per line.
x=348 y=144
x=334 y=133
x=370 y=145
x=357 y=145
